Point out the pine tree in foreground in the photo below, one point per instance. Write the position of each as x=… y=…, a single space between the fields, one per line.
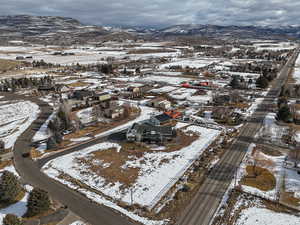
x=11 y=219
x=10 y=187
x=38 y=202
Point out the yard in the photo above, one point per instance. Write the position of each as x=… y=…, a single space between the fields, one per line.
x=244 y=209
x=128 y=174
x=261 y=172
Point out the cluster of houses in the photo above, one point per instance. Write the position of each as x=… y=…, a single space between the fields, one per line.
x=63 y=53
x=86 y=98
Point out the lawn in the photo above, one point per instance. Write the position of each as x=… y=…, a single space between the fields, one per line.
x=259 y=178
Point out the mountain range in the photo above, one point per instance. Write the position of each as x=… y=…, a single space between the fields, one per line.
x=63 y=29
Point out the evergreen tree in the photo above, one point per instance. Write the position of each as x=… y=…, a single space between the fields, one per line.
x=284 y=114
x=64 y=116
x=281 y=102
x=10 y=187
x=235 y=82
x=38 y=202
x=262 y=82
x=11 y=219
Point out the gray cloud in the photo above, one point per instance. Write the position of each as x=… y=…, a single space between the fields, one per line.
x=163 y=12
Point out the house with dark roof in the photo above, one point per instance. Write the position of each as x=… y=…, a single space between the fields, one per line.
x=160 y=119
x=147 y=132
x=82 y=94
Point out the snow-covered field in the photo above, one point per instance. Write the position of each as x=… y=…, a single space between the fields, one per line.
x=15 y=118
x=292 y=182
x=164 y=89
x=263 y=216
x=157 y=169
x=274 y=46
x=169 y=80
x=244 y=75
x=168 y=73
x=84 y=54
x=85 y=115
x=182 y=93
x=192 y=63
x=296 y=74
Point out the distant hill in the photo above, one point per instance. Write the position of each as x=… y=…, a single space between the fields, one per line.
x=230 y=31
x=48 y=29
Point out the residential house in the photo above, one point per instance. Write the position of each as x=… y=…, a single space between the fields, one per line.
x=159 y=103
x=147 y=132
x=174 y=114
x=103 y=99
x=46 y=88
x=62 y=88
x=160 y=119
x=114 y=112
x=82 y=94
x=136 y=91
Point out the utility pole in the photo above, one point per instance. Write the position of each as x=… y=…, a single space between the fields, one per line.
x=235 y=177
x=131 y=196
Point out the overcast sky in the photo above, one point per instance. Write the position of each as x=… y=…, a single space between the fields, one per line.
x=162 y=12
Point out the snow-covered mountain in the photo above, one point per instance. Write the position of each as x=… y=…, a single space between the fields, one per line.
x=231 y=31
x=64 y=30
x=48 y=28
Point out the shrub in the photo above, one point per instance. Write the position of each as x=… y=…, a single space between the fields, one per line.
x=38 y=202
x=10 y=187
x=11 y=219
x=185 y=188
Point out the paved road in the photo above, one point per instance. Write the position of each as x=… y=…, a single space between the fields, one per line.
x=41 y=162
x=29 y=170
x=206 y=202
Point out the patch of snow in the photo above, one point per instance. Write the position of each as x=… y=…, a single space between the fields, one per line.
x=292 y=182
x=43 y=133
x=261 y=216
x=77 y=223
x=18 y=209
x=192 y=63
x=80 y=139
x=15 y=118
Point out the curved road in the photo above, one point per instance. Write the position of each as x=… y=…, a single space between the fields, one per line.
x=29 y=170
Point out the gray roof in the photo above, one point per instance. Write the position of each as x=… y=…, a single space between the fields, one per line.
x=147 y=128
